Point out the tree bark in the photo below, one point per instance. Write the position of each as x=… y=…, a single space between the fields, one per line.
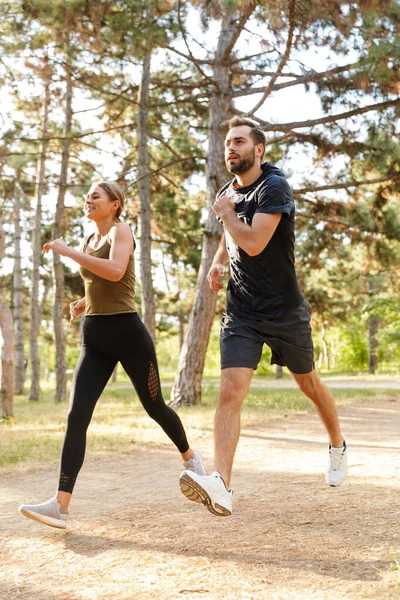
x=373 y=328
x=58 y=270
x=35 y=311
x=324 y=343
x=7 y=351
x=278 y=372
x=181 y=318
x=187 y=386
x=148 y=305
x=18 y=300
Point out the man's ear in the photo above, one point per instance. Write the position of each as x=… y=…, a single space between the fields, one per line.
x=260 y=150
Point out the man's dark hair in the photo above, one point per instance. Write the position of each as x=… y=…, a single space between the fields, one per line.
x=256 y=133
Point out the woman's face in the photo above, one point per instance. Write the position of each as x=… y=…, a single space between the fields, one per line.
x=98 y=206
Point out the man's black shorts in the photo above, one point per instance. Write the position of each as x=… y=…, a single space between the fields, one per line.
x=289 y=338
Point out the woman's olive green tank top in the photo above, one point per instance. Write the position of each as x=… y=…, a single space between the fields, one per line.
x=104 y=297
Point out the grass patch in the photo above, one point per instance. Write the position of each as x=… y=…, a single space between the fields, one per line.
x=35 y=436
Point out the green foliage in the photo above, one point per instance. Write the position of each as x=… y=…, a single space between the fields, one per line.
x=346 y=236
x=35 y=436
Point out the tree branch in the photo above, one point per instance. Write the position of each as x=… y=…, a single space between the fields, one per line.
x=348 y=184
x=245 y=14
x=164 y=143
x=251 y=56
x=284 y=59
x=189 y=58
x=328 y=119
x=154 y=171
x=280 y=138
x=300 y=79
x=116 y=96
x=261 y=73
x=87 y=163
x=76 y=136
x=311 y=77
x=192 y=57
x=77 y=112
x=178 y=85
x=334 y=220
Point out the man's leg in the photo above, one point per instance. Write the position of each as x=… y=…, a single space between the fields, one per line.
x=212 y=490
x=235 y=382
x=312 y=387
x=241 y=344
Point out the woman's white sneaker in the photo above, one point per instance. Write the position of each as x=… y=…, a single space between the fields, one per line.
x=210 y=490
x=337 y=465
x=49 y=513
x=195 y=464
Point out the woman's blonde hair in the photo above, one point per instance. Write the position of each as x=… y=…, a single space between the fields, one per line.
x=114 y=192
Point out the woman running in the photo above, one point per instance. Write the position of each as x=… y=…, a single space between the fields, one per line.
x=112 y=333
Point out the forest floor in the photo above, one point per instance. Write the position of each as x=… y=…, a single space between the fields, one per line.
x=132 y=534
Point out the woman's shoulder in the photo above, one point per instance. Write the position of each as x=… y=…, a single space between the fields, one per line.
x=123 y=231
x=119 y=227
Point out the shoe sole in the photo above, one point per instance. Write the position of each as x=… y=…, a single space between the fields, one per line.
x=43 y=519
x=335 y=484
x=194 y=492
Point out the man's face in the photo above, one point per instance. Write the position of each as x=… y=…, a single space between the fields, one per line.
x=240 y=150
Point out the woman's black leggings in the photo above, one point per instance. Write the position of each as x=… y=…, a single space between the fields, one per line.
x=107 y=340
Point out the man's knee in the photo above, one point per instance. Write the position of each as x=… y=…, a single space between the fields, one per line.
x=307 y=382
x=234 y=386
x=231 y=395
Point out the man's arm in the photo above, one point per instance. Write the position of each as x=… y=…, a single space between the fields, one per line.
x=252 y=239
x=216 y=271
x=221 y=256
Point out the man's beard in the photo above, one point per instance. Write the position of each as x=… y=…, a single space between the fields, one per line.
x=243 y=164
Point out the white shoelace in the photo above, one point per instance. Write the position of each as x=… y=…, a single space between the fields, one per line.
x=336 y=455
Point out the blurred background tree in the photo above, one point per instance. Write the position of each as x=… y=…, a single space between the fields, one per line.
x=141 y=92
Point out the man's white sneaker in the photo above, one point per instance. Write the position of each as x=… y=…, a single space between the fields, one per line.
x=195 y=464
x=337 y=465
x=210 y=490
x=49 y=513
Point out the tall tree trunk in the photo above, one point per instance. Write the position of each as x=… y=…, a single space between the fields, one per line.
x=278 y=372
x=187 y=386
x=58 y=270
x=181 y=317
x=18 y=300
x=325 y=349
x=34 y=392
x=373 y=328
x=148 y=305
x=7 y=351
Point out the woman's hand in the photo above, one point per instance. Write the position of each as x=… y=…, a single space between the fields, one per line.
x=58 y=246
x=77 y=308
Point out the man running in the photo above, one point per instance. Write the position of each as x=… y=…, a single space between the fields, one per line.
x=264 y=305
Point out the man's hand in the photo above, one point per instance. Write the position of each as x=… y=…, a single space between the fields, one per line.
x=58 y=246
x=77 y=308
x=214 y=277
x=222 y=206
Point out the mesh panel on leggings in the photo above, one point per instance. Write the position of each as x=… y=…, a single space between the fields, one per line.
x=182 y=441
x=66 y=482
x=152 y=383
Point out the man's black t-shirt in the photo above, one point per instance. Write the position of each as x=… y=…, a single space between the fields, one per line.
x=264 y=286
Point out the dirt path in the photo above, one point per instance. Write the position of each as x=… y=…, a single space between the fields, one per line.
x=134 y=536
